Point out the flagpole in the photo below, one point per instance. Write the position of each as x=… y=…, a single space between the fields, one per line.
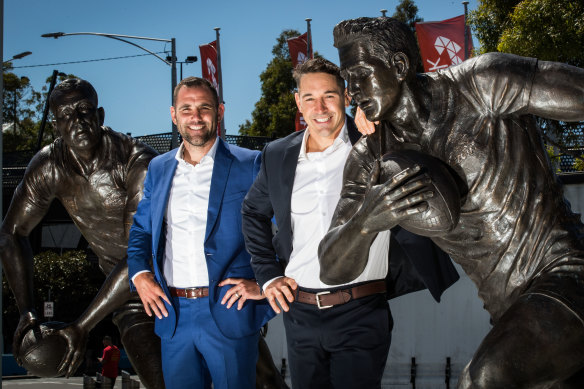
x=308 y=38
x=465 y=3
x=220 y=80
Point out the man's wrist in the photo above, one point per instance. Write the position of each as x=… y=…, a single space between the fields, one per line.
x=267 y=284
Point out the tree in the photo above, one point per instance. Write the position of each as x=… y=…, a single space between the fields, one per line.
x=275 y=112
x=407 y=12
x=71 y=280
x=550 y=30
x=23 y=108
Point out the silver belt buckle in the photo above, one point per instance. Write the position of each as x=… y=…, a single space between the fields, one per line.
x=194 y=292
x=318 y=300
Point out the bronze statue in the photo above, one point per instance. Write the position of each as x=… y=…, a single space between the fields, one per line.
x=97 y=174
x=515 y=236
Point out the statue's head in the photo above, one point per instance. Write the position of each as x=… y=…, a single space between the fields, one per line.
x=321 y=96
x=377 y=55
x=76 y=113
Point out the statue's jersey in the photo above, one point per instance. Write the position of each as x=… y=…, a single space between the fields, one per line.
x=515 y=224
x=97 y=202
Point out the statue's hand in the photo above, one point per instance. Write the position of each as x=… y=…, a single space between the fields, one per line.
x=27 y=321
x=76 y=338
x=387 y=204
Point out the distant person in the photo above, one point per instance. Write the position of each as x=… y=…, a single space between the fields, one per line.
x=110 y=360
x=186 y=253
x=97 y=175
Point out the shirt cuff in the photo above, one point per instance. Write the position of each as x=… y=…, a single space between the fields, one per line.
x=269 y=282
x=140 y=272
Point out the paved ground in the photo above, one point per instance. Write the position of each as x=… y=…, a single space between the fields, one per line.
x=50 y=383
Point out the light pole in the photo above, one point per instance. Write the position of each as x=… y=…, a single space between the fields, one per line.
x=17 y=56
x=124 y=38
x=189 y=59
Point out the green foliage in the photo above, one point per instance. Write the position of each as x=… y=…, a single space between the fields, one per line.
x=548 y=30
x=23 y=108
x=554 y=157
x=72 y=280
x=489 y=20
x=275 y=112
x=579 y=163
x=407 y=12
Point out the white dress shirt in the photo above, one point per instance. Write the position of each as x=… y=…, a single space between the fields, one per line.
x=184 y=263
x=316 y=191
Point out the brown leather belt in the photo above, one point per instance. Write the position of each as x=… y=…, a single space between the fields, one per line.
x=329 y=299
x=190 y=293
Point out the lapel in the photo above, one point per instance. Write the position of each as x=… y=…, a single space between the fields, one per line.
x=221 y=168
x=161 y=193
x=288 y=172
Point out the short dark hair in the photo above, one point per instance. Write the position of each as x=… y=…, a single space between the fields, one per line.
x=387 y=36
x=195 y=82
x=318 y=65
x=69 y=85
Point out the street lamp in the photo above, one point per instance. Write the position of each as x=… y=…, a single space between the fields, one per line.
x=189 y=59
x=17 y=56
x=169 y=61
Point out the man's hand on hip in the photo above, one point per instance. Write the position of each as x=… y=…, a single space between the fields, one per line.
x=243 y=290
x=281 y=289
x=151 y=295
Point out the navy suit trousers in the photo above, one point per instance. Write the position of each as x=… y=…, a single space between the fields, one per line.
x=343 y=347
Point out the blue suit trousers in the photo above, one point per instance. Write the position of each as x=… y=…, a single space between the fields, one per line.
x=199 y=353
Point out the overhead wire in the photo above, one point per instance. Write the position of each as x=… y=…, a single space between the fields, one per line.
x=83 y=61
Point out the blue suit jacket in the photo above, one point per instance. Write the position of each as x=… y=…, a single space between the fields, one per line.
x=234 y=171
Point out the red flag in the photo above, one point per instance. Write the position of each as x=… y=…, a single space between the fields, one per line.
x=299 y=49
x=209 y=63
x=299 y=54
x=210 y=68
x=442 y=43
x=300 y=123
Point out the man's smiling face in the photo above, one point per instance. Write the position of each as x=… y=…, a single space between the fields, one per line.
x=322 y=103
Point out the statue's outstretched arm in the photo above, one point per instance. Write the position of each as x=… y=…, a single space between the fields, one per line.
x=557 y=92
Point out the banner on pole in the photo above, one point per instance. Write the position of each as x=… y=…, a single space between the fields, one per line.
x=299 y=54
x=209 y=63
x=442 y=43
x=298 y=49
x=210 y=68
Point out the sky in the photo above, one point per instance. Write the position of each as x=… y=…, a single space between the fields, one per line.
x=136 y=92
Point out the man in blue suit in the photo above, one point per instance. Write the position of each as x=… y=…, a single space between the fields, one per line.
x=186 y=253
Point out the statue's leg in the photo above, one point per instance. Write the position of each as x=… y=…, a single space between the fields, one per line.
x=537 y=343
x=141 y=343
x=267 y=375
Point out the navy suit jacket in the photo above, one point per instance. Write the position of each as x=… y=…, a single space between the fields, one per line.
x=415 y=262
x=234 y=171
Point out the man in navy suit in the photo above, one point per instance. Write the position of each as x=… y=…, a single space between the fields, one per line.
x=186 y=254
x=338 y=335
